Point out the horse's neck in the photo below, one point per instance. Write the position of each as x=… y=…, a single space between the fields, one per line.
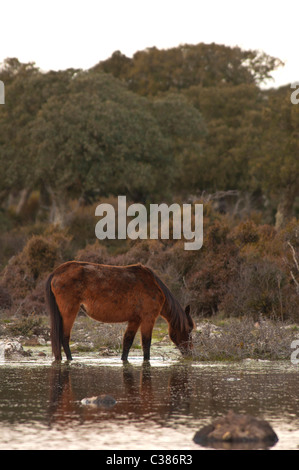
x=166 y=313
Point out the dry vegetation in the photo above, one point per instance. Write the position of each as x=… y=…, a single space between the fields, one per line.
x=244 y=339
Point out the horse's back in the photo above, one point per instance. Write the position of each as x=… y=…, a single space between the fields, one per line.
x=108 y=293
x=86 y=273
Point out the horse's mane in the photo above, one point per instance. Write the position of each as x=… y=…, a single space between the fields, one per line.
x=176 y=314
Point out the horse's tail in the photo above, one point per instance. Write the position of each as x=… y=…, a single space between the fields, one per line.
x=55 y=320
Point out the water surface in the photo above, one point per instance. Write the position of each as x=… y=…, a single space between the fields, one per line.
x=158 y=405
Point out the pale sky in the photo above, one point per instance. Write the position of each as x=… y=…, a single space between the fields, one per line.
x=57 y=34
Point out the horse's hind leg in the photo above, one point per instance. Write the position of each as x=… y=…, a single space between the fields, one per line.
x=129 y=338
x=66 y=347
x=68 y=322
x=146 y=338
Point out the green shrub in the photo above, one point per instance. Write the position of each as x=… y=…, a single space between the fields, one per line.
x=28 y=326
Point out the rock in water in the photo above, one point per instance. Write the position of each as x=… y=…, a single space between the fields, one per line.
x=12 y=349
x=236 y=429
x=102 y=400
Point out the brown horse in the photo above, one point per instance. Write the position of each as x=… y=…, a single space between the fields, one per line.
x=113 y=294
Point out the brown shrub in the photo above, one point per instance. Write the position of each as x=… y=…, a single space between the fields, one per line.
x=213 y=267
x=11 y=243
x=245 y=232
x=209 y=282
x=146 y=252
x=256 y=290
x=34 y=301
x=41 y=255
x=291 y=233
x=23 y=271
x=5 y=298
x=16 y=279
x=94 y=253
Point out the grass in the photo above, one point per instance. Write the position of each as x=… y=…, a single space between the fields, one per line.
x=90 y=335
x=213 y=340
x=218 y=340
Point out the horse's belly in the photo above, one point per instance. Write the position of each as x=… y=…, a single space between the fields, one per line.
x=112 y=312
x=108 y=317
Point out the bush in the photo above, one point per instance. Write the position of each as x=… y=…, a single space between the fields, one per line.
x=24 y=271
x=28 y=327
x=240 y=339
x=80 y=225
x=11 y=243
x=255 y=290
x=93 y=254
x=245 y=232
x=41 y=255
x=213 y=267
x=5 y=298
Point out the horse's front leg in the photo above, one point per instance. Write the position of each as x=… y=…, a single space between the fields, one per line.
x=129 y=338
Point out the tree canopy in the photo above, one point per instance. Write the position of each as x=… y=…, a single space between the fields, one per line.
x=160 y=124
x=153 y=71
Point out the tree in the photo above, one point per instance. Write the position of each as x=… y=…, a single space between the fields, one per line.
x=185 y=128
x=276 y=166
x=101 y=139
x=118 y=65
x=153 y=71
x=231 y=137
x=27 y=90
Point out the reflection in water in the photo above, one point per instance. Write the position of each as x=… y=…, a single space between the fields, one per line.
x=157 y=406
x=137 y=393
x=61 y=403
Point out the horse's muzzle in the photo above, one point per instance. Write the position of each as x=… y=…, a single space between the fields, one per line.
x=186 y=349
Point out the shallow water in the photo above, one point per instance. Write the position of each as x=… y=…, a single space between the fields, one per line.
x=158 y=406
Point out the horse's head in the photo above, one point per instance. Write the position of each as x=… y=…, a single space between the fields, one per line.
x=182 y=337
